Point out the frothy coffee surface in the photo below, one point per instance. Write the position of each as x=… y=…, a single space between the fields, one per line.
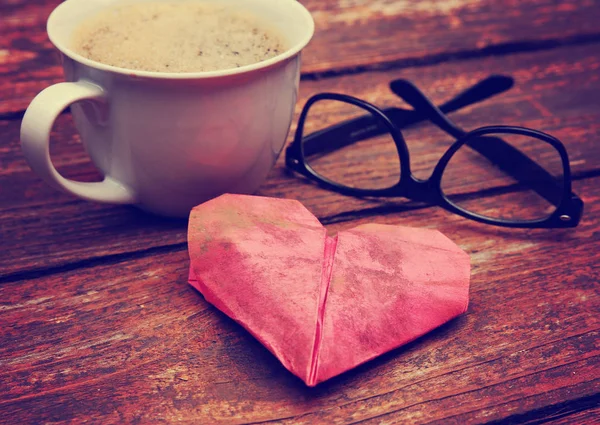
x=185 y=36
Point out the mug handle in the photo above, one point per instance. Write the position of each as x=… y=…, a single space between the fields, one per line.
x=35 y=142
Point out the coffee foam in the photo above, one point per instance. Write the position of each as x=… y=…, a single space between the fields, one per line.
x=186 y=36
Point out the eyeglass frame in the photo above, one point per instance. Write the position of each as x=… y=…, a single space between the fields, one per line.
x=568 y=211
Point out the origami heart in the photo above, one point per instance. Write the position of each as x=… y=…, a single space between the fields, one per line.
x=323 y=305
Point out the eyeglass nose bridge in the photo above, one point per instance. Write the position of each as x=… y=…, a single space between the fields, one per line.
x=426 y=191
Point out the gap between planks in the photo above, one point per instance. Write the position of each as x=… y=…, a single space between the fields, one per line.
x=342 y=217
x=552 y=412
x=537 y=416
x=501 y=49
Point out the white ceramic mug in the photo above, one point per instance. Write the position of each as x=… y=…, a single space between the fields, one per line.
x=169 y=141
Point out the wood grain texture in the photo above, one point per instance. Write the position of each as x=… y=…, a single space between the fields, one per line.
x=581 y=417
x=132 y=342
x=349 y=35
x=555 y=91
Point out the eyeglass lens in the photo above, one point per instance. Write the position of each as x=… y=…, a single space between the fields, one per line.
x=511 y=187
x=357 y=151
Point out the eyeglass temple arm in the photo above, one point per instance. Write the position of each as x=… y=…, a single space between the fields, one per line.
x=361 y=128
x=500 y=153
x=486 y=88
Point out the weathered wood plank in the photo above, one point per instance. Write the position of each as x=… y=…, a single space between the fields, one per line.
x=131 y=341
x=555 y=91
x=349 y=34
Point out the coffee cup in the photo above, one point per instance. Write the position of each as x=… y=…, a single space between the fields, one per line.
x=166 y=142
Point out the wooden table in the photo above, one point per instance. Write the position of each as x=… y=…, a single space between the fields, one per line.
x=99 y=325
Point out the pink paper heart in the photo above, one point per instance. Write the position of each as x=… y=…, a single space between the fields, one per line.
x=323 y=305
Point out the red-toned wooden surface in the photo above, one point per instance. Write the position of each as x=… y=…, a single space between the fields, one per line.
x=98 y=324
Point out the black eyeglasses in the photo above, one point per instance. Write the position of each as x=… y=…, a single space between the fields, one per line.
x=500 y=175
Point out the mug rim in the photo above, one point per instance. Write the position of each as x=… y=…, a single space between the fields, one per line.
x=289 y=53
